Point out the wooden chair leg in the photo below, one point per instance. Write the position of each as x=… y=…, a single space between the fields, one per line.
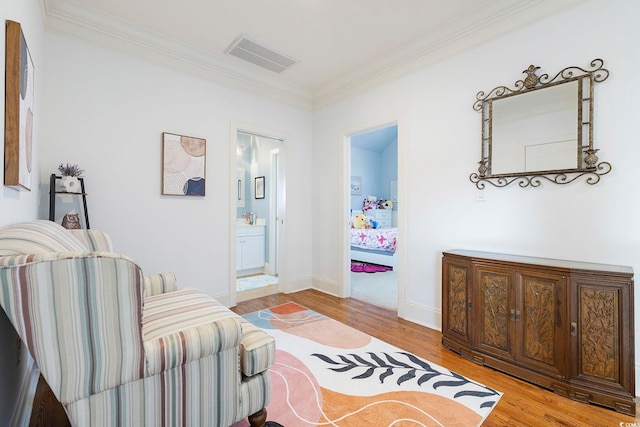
x=258 y=419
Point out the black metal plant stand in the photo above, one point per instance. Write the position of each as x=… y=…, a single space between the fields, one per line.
x=52 y=198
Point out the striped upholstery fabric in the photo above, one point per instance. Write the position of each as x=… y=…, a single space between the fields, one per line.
x=79 y=316
x=94 y=240
x=160 y=283
x=202 y=393
x=37 y=237
x=165 y=315
x=257 y=349
x=117 y=357
x=185 y=325
x=255 y=393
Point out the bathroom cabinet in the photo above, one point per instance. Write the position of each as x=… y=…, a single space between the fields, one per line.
x=250 y=247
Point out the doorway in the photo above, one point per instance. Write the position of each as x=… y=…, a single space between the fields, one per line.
x=258 y=197
x=373 y=216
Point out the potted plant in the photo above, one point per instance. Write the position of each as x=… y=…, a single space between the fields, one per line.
x=70 y=174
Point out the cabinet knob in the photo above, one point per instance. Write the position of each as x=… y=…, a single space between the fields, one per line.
x=574 y=328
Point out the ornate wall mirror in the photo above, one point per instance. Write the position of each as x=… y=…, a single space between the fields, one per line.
x=540 y=129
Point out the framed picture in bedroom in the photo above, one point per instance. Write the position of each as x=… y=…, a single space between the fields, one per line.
x=259 y=187
x=183 y=165
x=18 y=109
x=356 y=185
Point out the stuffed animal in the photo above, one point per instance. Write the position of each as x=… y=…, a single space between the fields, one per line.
x=360 y=221
x=369 y=203
x=388 y=204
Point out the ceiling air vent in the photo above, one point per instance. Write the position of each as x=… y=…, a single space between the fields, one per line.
x=257 y=54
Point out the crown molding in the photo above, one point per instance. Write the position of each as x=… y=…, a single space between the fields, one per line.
x=465 y=32
x=87 y=24
x=452 y=38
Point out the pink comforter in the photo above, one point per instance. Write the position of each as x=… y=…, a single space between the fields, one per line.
x=381 y=239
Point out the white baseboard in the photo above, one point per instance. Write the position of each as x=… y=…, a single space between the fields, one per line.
x=421 y=314
x=330 y=287
x=250 y=272
x=416 y=313
x=268 y=269
x=224 y=299
x=297 y=284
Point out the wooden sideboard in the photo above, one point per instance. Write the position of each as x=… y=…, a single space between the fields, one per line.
x=564 y=325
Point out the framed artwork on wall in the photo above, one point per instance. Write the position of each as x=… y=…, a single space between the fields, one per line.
x=18 y=109
x=356 y=185
x=183 y=165
x=259 y=187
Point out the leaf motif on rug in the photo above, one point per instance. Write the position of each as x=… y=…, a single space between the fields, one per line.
x=327 y=373
x=406 y=371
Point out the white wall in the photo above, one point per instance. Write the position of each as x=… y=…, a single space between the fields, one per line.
x=441 y=149
x=106 y=112
x=19 y=205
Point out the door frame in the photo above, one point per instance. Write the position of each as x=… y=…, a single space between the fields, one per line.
x=276 y=185
x=234 y=127
x=345 y=191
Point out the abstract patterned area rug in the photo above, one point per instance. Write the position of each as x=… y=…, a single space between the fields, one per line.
x=329 y=374
x=254 y=282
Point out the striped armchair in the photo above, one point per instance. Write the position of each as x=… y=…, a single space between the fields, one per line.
x=122 y=349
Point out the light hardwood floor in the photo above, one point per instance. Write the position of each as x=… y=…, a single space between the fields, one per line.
x=522 y=404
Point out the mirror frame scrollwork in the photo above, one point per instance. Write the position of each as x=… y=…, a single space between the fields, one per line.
x=587 y=166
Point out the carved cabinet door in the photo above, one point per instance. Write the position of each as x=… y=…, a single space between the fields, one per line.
x=541 y=321
x=521 y=316
x=602 y=335
x=494 y=307
x=456 y=300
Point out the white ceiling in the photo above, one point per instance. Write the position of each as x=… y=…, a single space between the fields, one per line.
x=342 y=45
x=375 y=140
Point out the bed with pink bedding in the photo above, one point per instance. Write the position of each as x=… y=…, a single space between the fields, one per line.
x=374 y=245
x=380 y=239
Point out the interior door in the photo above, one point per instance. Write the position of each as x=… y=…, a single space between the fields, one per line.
x=260 y=156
